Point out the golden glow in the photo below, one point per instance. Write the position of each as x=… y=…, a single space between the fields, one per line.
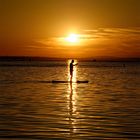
x=72 y=106
x=72 y=38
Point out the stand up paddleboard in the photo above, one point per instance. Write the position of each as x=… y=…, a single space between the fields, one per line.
x=58 y=81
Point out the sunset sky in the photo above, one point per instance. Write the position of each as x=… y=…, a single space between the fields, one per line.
x=70 y=28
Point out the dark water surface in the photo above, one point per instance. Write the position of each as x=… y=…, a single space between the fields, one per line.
x=33 y=108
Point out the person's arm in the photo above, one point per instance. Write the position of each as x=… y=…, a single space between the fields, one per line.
x=75 y=64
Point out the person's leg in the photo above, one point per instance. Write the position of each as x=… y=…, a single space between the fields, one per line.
x=71 y=75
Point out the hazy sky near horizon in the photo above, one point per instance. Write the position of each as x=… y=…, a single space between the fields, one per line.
x=37 y=27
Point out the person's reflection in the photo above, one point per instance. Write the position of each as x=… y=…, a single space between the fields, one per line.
x=70 y=102
x=71 y=109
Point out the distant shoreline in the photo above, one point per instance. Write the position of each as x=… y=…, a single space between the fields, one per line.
x=103 y=59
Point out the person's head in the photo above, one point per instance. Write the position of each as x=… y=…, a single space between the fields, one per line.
x=72 y=61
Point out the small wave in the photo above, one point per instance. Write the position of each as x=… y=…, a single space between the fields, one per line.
x=20 y=82
x=30 y=65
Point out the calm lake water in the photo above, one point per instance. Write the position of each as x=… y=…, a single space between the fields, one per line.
x=33 y=108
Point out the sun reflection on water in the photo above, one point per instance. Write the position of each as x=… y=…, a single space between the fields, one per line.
x=72 y=99
x=72 y=106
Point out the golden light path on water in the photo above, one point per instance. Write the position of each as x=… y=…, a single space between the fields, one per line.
x=72 y=99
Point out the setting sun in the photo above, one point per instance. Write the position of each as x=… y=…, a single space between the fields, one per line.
x=72 y=38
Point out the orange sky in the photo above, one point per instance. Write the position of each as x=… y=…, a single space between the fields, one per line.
x=39 y=28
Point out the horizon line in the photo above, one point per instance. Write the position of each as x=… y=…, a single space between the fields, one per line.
x=45 y=58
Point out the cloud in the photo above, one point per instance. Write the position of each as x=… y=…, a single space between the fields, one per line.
x=120 y=35
x=96 y=42
x=108 y=41
x=114 y=32
x=113 y=41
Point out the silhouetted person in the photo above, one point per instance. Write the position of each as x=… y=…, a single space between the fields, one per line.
x=71 y=69
x=123 y=65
